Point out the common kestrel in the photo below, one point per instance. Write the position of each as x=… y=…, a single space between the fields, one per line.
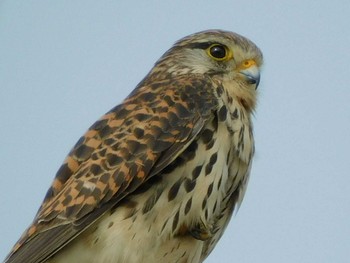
x=157 y=178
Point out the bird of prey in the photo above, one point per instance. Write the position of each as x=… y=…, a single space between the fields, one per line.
x=157 y=178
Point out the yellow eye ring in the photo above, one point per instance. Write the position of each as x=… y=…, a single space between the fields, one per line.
x=219 y=52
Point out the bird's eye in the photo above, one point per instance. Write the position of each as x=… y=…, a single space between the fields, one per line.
x=218 y=52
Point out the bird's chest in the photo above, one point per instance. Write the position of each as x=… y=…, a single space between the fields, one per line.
x=184 y=209
x=195 y=194
x=225 y=148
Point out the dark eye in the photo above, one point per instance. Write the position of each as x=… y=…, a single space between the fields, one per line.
x=218 y=52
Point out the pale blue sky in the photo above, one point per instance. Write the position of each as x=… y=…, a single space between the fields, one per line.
x=65 y=63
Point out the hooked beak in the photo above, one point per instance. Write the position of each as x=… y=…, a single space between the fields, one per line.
x=251 y=74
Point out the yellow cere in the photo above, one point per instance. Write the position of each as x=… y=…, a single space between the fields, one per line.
x=248 y=63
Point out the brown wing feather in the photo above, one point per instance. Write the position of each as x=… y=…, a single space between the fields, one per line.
x=127 y=146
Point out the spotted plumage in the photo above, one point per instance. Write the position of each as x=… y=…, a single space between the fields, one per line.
x=157 y=178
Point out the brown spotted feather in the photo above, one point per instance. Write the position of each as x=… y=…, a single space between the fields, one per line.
x=113 y=159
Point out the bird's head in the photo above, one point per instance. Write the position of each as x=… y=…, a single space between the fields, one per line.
x=220 y=54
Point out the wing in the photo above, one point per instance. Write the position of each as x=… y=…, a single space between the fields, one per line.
x=126 y=147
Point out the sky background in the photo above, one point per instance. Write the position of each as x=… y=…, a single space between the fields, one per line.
x=63 y=64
